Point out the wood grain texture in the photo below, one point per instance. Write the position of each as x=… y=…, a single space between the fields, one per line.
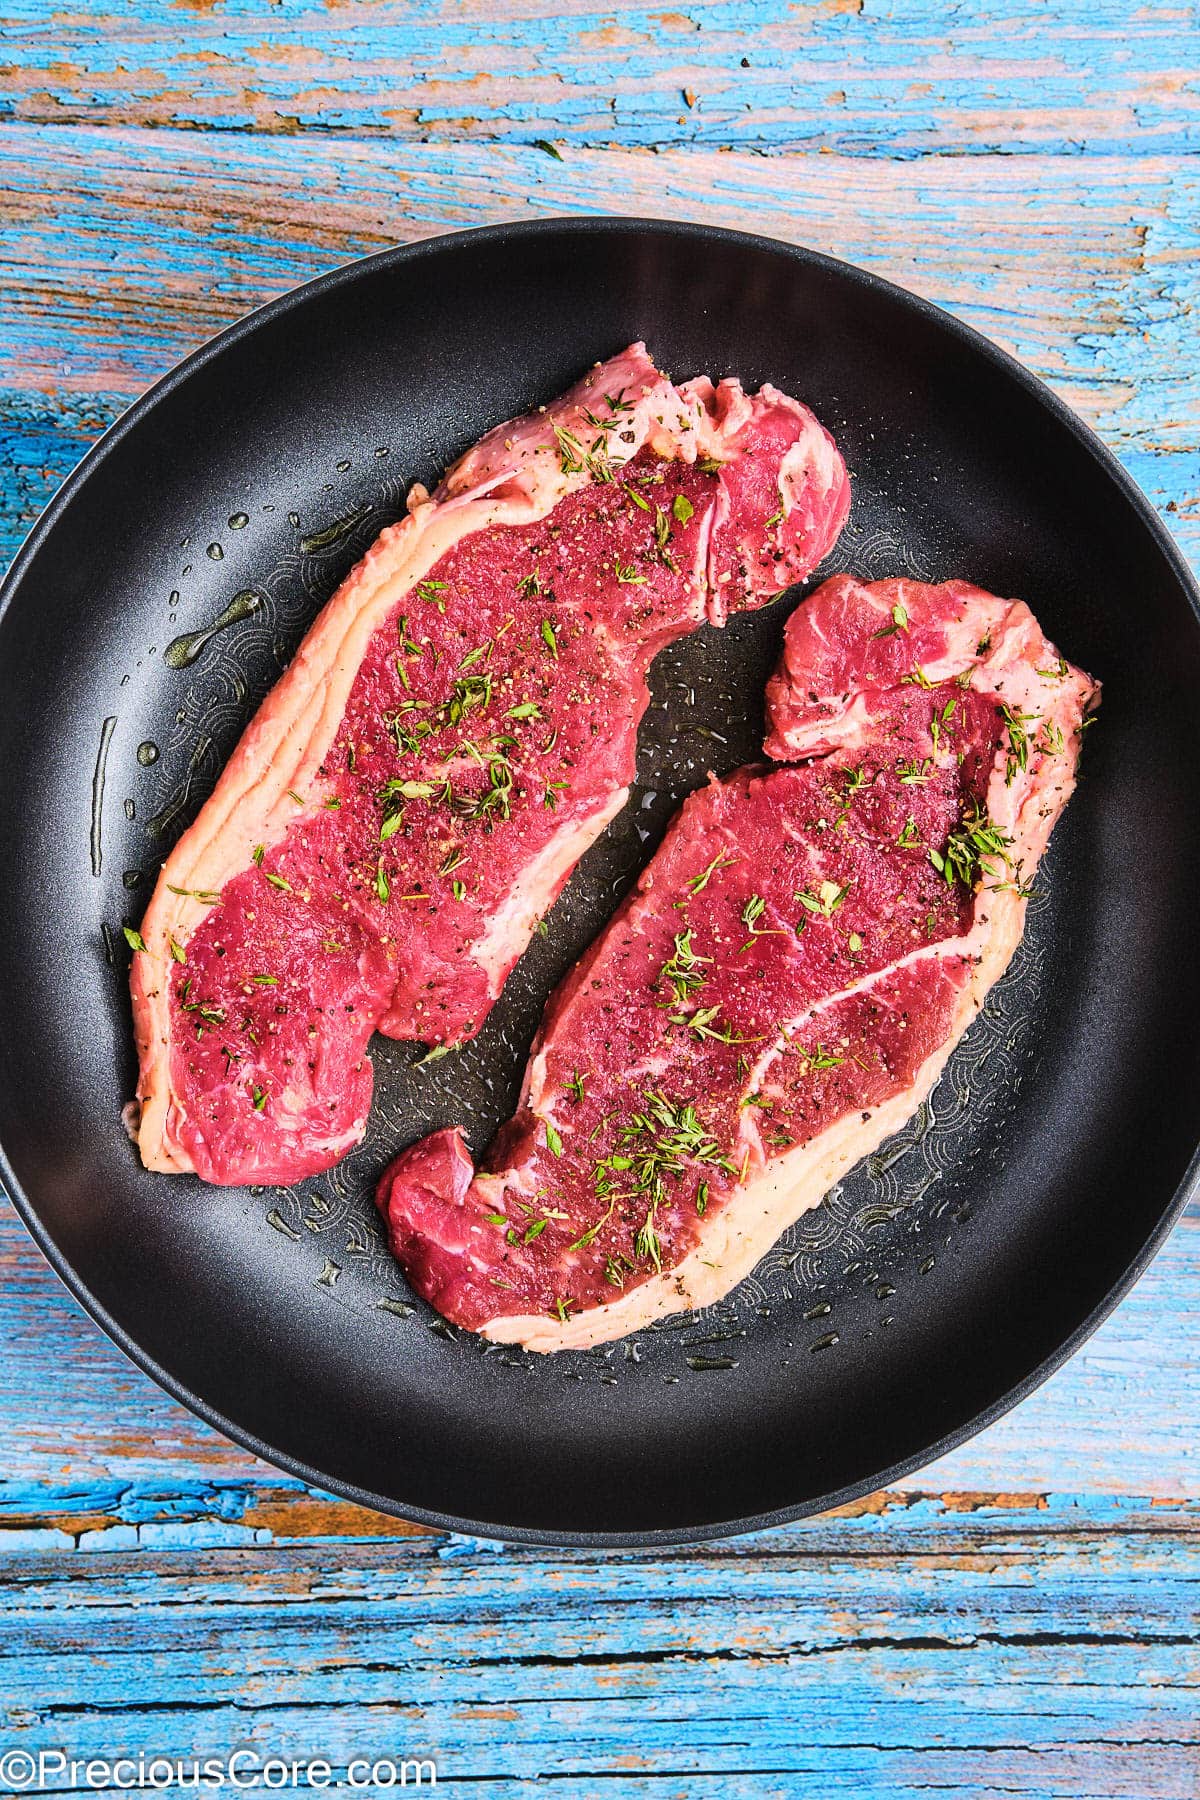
x=1119 y=1420
x=857 y=77
x=1021 y=1619
x=121 y=250
x=1000 y=1647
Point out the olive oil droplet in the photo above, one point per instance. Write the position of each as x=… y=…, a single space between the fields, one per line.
x=182 y=652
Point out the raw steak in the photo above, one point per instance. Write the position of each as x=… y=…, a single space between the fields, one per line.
x=457 y=727
x=782 y=990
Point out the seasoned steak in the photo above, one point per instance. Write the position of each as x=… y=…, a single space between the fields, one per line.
x=457 y=727
x=782 y=990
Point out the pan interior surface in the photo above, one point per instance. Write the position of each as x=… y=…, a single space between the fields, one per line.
x=943 y=1276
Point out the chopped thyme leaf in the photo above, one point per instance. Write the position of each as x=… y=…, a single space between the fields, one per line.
x=257 y=854
x=265 y=980
x=260 y=1099
x=661 y=1140
x=281 y=882
x=528 y=709
x=910 y=835
x=682 y=968
x=752 y=912
x=575 y=1086
x=627 y=574
x=410 y=790
x=899 y=623
x=553 y=1141
x=550 y=638
x=382 y=886
x=573 y=459
x=913 y=773
x=332 y=804
x=917 y=678
x=469 y=692
x=293 y=795
x=647 y=1246
x=454 y=860
x=699 y=882
x=178 y=953
x=563 y=1308
x=480 y=652
x=702 y=1197
x=662 y=539
x=1017 y=724
x=776 y=518
x=133 y=938
x=496 y=797
x=682 y=508
x=432 y=591
x=968 y=849
x=856 y=780
x=530 y=584
x=709 y=465
x=534 y=1230
x=206 y=895
x=495 y=1219
x=826 y=900
x=639 y=500
x=702 y=1023
x=854 y=943
x=547 y=148
x=820 y=1059
x=391 y=824
x=458 y=890
x=588 y=1237
x=550 y=797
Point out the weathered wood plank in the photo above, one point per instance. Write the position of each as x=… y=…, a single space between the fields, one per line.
x=857 y=77
x=1119 y=1419
x=1045 y=1649
x=120 y=250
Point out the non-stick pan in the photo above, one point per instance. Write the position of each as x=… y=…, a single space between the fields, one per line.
x=948 y=1274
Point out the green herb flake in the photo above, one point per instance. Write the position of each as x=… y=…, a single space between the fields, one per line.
x=433 y=593
x=698 y=883
x=133 y=938
x=207 y=896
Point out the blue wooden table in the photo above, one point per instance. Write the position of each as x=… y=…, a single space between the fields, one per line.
x=1020 y=1620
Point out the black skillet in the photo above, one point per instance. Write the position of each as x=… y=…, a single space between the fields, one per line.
x=945 y=1278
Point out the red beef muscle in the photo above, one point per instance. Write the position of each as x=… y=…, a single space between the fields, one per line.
x=785 y=986
x=457 y=728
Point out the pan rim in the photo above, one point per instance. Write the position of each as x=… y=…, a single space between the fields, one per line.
x=399 y=257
